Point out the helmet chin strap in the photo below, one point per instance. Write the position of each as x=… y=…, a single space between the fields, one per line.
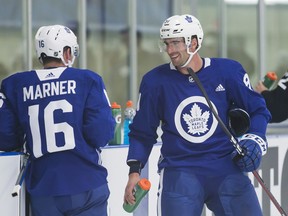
x=191 y=54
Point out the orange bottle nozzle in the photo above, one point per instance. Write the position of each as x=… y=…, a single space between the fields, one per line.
x=145 y=184
x=129 y=103
x=114 y=105
x=272 y=75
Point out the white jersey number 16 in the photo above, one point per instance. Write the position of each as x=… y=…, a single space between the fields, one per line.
x=51 y=128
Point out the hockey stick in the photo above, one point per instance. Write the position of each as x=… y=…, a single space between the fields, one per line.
x=234 y=142
x=21 y=176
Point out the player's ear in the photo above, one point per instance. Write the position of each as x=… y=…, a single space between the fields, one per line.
x=193 y=44
x=67 y=54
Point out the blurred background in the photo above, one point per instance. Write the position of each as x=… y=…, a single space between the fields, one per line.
x=119 y=39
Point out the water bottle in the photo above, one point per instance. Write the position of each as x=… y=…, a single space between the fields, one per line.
x=129 y=114
x=140 y=190
x=116 y=112
x=269 y=79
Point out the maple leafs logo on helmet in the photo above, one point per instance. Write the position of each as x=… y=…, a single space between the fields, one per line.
x=67 y=29
x=188 y=18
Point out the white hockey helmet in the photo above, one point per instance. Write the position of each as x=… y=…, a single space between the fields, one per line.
x=184 y=26
x=51 y=40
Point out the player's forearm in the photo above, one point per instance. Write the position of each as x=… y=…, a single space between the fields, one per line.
x=277 y=104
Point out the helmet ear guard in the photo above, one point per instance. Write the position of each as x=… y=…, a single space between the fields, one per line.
x=239 y=121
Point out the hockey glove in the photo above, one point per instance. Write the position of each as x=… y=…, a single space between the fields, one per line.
x=239 y=121
x=254 y=147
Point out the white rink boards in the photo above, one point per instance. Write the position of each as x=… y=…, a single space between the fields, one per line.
x=274 y=171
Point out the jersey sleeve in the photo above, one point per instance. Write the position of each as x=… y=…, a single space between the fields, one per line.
x=143 y=130
x=277 y=100
x=11 y=135
x=98 y=127
x=243 y=96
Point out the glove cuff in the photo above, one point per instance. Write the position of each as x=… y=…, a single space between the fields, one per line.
x=259 y=140
x=135 y=167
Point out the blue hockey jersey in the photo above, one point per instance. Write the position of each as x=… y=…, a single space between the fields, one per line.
x=64 y=117
x=192 y=137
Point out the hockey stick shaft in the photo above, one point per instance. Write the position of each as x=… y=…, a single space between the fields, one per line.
x=21 y=176
x=227 y=132
x=268 y=192
x=234 y=142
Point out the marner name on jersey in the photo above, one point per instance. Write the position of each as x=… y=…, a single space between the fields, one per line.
x=49 y=89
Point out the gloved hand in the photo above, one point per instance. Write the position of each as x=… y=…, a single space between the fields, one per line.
x=254 y=147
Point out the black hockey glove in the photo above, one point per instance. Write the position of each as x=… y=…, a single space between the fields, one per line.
x=254 y=147
x=239 y=121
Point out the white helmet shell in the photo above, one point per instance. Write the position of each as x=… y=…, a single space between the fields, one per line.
x=51 y=40
x=184 y=26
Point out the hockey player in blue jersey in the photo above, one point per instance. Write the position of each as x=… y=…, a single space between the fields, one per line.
x=198 y=163
x=63 y=115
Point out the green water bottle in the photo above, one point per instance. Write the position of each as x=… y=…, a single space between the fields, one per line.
x=116 y=112
x=269 y=79
x=141 y=189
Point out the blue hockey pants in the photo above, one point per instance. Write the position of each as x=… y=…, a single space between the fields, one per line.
x=182 y=193
x=89 y=203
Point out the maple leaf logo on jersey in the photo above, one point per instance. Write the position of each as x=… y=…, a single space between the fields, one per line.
x=196 y=121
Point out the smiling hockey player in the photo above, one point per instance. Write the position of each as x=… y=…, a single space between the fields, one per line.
x=198 y=163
